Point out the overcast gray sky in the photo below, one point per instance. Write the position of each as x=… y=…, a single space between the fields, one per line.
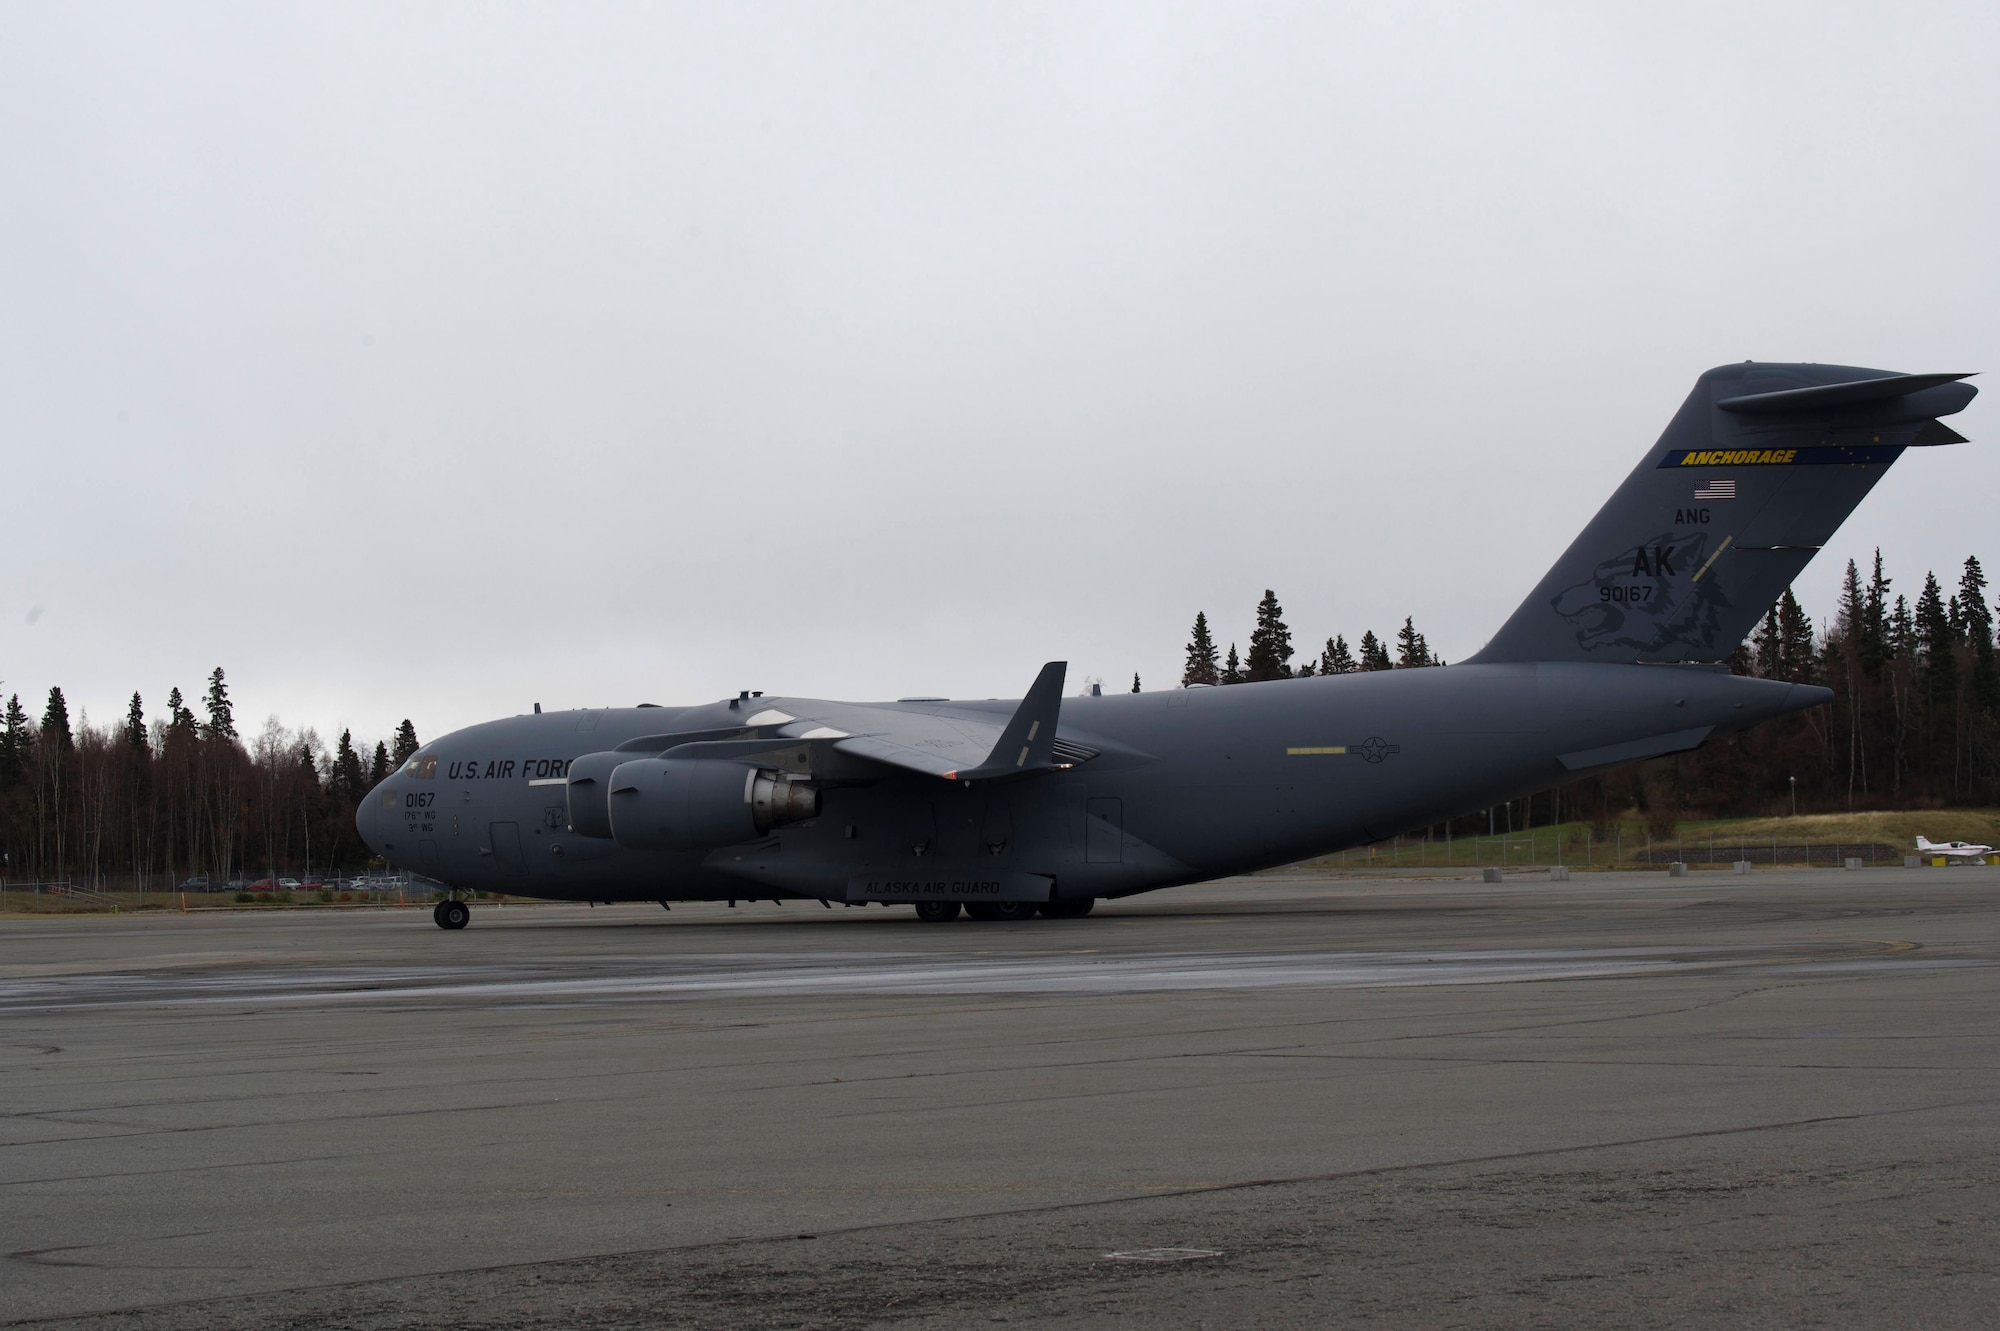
x=436 y=360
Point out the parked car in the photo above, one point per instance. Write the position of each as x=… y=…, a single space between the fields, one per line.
x=239 y=884
x=289 y=885
x=198 y=883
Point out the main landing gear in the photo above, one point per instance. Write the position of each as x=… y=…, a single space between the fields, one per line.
x=1075 y=908
x=1000 y=910
x=451 y=913
x=943 y=912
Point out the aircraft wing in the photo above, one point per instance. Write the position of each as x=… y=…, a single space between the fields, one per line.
x=951 y=747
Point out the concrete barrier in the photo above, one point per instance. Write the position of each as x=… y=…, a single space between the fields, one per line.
x=1678 y=869
x=1912 y=862
x=1559 y=874
x=1851 y=862
x=1743 y=866
x=1489 y=875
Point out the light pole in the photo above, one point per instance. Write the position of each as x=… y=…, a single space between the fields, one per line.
x=1795 y=797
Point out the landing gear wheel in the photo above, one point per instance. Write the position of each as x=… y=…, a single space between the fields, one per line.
x=1013 y=910
x=452 y=914
x=937 y=912
x=982 y=910
x=1073 y=909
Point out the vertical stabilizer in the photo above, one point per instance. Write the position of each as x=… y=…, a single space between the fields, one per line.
x=1758 y=468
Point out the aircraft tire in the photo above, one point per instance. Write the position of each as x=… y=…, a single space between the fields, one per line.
x=980 y=910
x=453 y=914
x=437 y=915
x=937 y=912
x=1074 y=908
x=1011 y=910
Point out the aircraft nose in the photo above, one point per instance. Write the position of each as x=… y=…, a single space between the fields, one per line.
x=366 y=822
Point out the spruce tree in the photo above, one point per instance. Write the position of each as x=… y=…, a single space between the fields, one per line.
x=55 y=722
x=1307 y=669
x=1232 y=669
x=1795 y=633
x=1935 y=640
x=1875 y=621
x=179 y=718
x=1135 y=681
x=379 y=769
x=1979 y=636
x=406 y=743
x=135 y=725
x=1200 y=667
x=1769 y=647
x=221 y=713
x=1270 y=642
x=1374 y=656
x=16 y=740
x=1852 y=611
x=345 y=778
x=1411 y=649
x=1336 y=659
x=308 y=766
x=1975 y=614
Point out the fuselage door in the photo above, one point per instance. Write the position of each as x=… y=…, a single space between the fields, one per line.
x=506 y=847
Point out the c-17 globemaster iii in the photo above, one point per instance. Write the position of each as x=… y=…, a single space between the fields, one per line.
x=1045 y=805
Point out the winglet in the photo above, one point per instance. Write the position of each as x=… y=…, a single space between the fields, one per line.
x=1028 y=742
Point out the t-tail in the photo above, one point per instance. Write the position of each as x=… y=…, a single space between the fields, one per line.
x=1755 y=473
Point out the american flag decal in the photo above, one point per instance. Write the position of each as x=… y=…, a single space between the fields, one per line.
x=1715 y=489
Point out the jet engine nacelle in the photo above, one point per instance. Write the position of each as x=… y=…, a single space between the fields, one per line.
x=589 y=790
x=692 y=803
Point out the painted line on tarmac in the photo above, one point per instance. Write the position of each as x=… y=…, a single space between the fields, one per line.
x=787 y=977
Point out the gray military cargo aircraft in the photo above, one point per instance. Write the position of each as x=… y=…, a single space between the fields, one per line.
x=1010 y=809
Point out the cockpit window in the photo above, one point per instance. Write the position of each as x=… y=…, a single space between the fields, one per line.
x=421 y=768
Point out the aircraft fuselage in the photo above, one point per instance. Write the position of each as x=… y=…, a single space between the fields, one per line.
x=1177 y=786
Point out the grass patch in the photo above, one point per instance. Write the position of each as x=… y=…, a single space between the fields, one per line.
x=1704 y=840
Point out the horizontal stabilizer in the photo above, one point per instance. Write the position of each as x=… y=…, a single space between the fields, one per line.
x=1632 y=751
x=1854 y=391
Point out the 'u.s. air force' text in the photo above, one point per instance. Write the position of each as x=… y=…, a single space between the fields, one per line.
x=501 y=769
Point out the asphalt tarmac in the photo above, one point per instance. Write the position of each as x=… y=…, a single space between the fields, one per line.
x=1283 y=1101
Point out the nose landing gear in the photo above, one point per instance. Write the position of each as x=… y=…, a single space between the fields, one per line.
x=451 y=913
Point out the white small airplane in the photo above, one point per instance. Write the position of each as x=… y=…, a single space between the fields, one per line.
x=1954 y=850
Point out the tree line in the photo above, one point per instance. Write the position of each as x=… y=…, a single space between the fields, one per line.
x=179 y=794
x=1915 y=717
x=1271 y=652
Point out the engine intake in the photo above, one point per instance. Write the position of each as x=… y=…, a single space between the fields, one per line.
x=694 y=803
x=588 y=790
